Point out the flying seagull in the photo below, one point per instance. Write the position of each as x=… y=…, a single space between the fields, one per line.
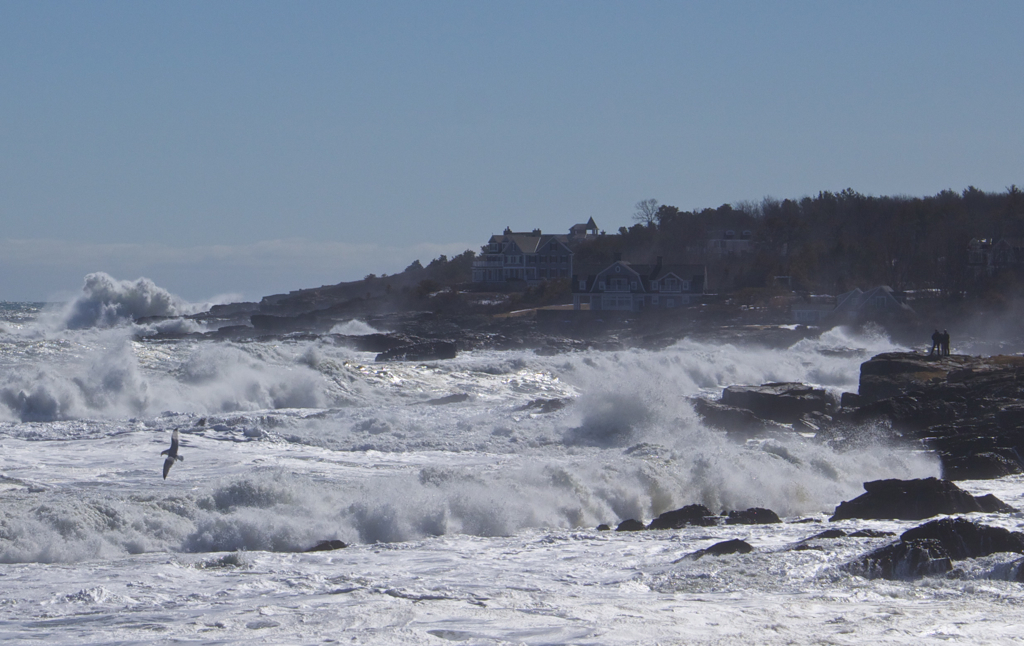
x=171 y=453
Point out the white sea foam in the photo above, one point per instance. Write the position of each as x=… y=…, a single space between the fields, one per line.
x=107 y=302
x=469 y=518
x=355 y=327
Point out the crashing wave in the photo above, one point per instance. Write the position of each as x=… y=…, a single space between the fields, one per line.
x=108 y=302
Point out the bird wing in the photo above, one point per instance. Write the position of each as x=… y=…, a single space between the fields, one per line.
x=167 y=466
x=174 y=442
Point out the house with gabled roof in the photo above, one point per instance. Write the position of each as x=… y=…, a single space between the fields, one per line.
x=989 y=256
x=625 y=286
x=878 y=302
x=583 y=230
x=529 y=256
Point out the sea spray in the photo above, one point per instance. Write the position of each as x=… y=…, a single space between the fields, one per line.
x=106 y=302
x=291 y=442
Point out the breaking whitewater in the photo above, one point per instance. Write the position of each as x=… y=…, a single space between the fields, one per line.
x=468 y=492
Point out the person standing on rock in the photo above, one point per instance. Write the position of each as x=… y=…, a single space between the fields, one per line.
x=936 y=343
x=944 y=351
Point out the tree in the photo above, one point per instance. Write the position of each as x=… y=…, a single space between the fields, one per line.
x=665 y=215
x=646 y=212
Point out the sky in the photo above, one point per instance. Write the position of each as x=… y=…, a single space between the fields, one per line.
x=230 y=150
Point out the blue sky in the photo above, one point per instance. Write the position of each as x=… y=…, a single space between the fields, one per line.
x=248 y=148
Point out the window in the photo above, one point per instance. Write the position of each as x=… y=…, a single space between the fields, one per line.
x=617 y=303
x=632 y=285
x=654 y=285
x=600 y=285
x=583 y=284
x=654 y=300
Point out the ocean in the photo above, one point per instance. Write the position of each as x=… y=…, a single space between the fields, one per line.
x=469 y=492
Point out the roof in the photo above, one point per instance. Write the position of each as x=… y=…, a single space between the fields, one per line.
x=856 y=299
x=584 y=226
x=650 y=272
x=529 y=242
x=656 y=271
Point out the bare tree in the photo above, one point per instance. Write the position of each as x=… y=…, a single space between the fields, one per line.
x=646 y=212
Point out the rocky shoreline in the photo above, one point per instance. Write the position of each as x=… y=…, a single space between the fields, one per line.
x=969 y=410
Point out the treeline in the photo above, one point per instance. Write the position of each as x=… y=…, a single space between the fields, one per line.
x=828 y=243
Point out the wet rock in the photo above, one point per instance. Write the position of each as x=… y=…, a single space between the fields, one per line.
x=543 y=405
x=729 y=418
x=963 y=539
x=992 y=505
x=603 y=528
x=447 y=399
x=827 y=534
x=753 y=516
x=426 y=351
x=891 y=374
x=231 y=332
x=870 y=533
x=780 y=402
x=908 y=500
x=968 y=409
x=688 y=515
x=735 y=546
x=376 y=342
x=807 y=544
x=985 y=465
x=903 y=560
x=327 y=546
x=850 y=400
x=630 y=525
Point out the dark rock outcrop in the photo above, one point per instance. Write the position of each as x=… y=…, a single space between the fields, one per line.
x=963 y=539
x=447 y=399
x=780 y=402
x=543 y=405
x=910 y=500
x=735 y=546
x=753 y=516
x=808 y=544
x=327 y=546
x=984 y=465
x=827 y=534
x=688 y=515
x=968 y=409
x=732 y=419
x=992 y=505
x=903 y=560
x=425 y=351
x=630 y=525
x=376 y=342
x=870 y=533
